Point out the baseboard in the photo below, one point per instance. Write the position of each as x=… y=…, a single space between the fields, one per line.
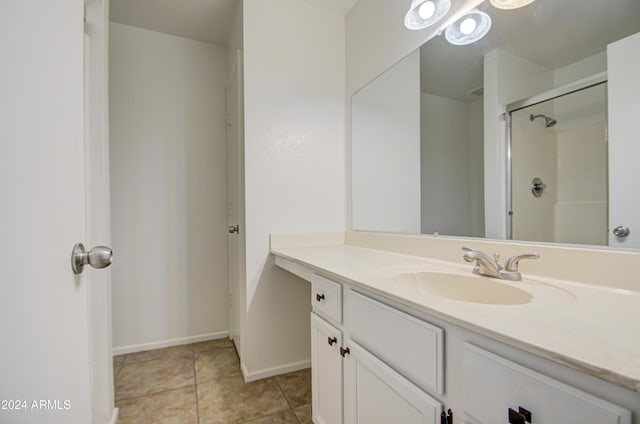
x=270 y=372
x=114 y=416
x=168 y=343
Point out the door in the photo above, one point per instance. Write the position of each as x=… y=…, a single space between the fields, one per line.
x=235 y=208
x=326 y=372
x=623 y=65
x=47 y=365
x=376 y=394
x=98 y=207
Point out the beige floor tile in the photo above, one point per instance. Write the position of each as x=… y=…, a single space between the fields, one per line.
x=153 y=376
x=170 y=407
x=213 y=344
x=304 y=414
x=118 y=360
x=174 y=352
x=296 y=387
x=217 y=363
x=229 y=400
x=286 y=417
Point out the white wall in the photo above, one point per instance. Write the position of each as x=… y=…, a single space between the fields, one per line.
x=168 y=171
x=444 y=166
x=235 y=34
x=581 y=69
x=294 y=165
x=385 y=144
x=475 y=128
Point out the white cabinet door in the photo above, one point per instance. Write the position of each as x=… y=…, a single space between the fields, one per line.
x=376 y=394
x=326 y=372
x=623 y=63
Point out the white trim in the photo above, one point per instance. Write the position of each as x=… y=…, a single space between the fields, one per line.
x=270 y=372
x=114 y=416
x=170 y=342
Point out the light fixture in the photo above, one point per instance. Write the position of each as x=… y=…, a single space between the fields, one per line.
x=424 y=13
x=510 y=4
x=468 y=29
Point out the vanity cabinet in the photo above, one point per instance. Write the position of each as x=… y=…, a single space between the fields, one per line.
x=375 y=361
x=375 y=374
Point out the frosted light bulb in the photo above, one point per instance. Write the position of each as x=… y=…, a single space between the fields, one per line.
x=426 y=10
x=468 y=26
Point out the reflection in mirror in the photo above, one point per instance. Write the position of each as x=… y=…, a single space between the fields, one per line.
x=559 y=169
x=452 y=178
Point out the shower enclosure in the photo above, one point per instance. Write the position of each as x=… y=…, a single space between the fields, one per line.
x=557 y=165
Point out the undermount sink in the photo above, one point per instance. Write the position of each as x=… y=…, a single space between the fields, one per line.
x=466 y=288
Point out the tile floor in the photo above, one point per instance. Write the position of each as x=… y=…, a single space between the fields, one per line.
x=201 y=383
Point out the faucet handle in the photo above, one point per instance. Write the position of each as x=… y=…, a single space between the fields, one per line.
x=465 y=256
x=511 y=264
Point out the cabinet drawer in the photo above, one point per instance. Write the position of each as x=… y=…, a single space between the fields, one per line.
x=411 y=346
x=326 y=298
x=492 y=385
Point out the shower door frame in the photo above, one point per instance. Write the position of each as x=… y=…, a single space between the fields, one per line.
x=572 y=87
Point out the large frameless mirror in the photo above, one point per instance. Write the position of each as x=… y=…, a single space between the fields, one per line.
x=444 y=141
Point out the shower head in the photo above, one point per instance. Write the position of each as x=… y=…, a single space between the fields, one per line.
x=548 y=122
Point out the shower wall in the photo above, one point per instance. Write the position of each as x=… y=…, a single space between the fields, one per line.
x=571 y=159
x=580 y=212
x=533 y=152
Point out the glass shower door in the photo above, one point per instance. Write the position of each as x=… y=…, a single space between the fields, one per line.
x=559 y=169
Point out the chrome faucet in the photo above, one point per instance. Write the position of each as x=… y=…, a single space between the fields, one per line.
x=484 y=264
x=489 y=267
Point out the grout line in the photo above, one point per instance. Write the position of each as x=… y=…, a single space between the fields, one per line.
x=288 y=401
x=195 y=385
x=275 y=380
x=152 y=393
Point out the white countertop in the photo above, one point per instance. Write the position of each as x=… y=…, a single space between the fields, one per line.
x=589 y=328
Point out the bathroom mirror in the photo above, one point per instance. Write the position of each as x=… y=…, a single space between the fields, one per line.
x=431 y=139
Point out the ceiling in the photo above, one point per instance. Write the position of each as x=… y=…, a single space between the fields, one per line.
x=551 y=33
x=203 y=20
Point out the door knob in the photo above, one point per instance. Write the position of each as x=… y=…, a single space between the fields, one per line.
x=621 y=231
x=98 y=257
x=234 y=229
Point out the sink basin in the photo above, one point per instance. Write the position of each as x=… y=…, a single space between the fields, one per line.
x=466 y=288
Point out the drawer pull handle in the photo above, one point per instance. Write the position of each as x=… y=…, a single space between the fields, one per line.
x=526 y=414
x=344 y=351
x=521 y=416
x=515 y=417
x=319 y=297
x=332 y=340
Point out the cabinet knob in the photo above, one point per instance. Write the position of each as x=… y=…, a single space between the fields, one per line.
x=319 y=297
x=332 y=340
x=344 y=351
